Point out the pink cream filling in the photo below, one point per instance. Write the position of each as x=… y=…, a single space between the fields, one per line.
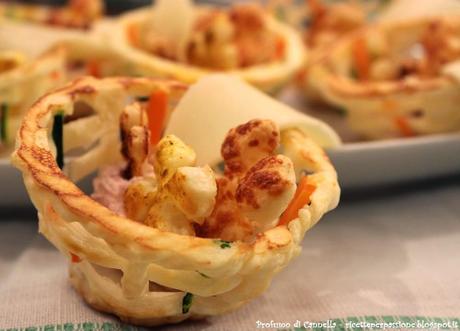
x=109 y=188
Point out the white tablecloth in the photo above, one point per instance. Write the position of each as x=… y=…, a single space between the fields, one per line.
x=381 y=256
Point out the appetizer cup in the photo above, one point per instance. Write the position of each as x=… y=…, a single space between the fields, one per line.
x=396 y=79
x=140 y=273
x=22 y=82
x=204 y=42
x=327 y=23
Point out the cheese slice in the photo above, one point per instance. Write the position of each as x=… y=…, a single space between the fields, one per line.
x=173 y=19
x=217 y=103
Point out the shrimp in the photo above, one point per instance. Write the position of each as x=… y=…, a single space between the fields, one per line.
x=265 y=190
x=248 y=143
x=441 y=45
x=135 y=138
x=252 y=35
x=138 y=197
x=256 y=187
x=183 y=194
x=171 y=153
x=228 y=40
x=211 y=43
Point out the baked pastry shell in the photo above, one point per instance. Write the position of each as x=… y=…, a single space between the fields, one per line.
x=136 y=272
x=270 y=77
x=427 y=105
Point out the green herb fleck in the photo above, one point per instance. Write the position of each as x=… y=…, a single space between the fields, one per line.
x=220 y=167
x=107 y=327
x=58 y=138
x=341 y=111
x=280 y=13
x=3 y=122
x=87 y=326
x=187 y=302
x=202 y=274
x=223 y=243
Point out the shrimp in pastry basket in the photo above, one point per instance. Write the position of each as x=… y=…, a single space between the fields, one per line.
x=396 y=79
x=178 y=39
x=163 y=239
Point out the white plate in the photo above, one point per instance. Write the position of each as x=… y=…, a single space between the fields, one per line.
x=396 y=161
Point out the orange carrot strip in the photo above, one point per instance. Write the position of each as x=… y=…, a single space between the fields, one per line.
x=279 y=48
x=157 y=110
x=301 y=76
x=133 y=34
x=75 y=258
x=404 y=126
x=55 y=75
x=301 y=198
x=93 y=68
x=361 y=58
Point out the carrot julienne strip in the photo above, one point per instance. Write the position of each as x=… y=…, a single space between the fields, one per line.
x=404 y=127
x=156 y=113
x=75 y=258
x=301 y=198
x=280 y=48
x=133 y=35
x=361 y=58
x=93 y=68
x=55 y=75
x=301 y=76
